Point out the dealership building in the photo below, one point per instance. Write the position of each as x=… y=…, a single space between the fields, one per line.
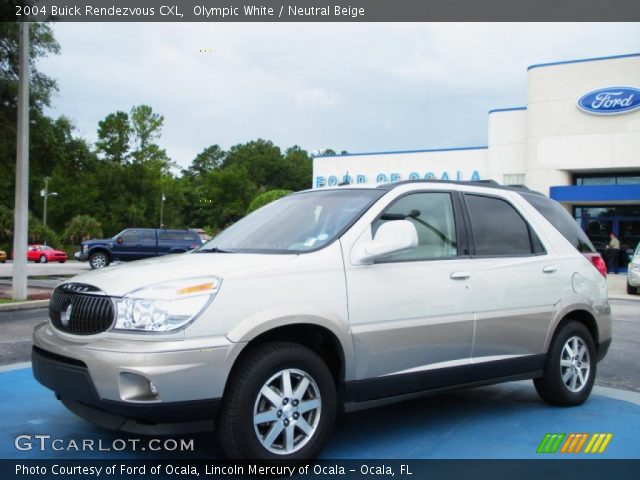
x=576 y=140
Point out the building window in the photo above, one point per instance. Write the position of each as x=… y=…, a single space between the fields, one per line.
x=613 y=179
x=513 y=179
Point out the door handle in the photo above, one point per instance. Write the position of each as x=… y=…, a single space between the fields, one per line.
x=550 y=269
x=460 y=275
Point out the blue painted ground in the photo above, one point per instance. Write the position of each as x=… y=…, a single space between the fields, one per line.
x=503 y=421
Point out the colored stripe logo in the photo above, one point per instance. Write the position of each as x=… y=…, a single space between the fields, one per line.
x=574 y=443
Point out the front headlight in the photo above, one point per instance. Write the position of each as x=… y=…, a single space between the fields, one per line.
x=165 y=306
x=635 y=267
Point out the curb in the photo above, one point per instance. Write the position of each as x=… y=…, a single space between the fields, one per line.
x=630 y=298
x=28 y=305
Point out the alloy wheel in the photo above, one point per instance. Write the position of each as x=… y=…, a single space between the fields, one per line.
x=287 y=411
x=575 y=364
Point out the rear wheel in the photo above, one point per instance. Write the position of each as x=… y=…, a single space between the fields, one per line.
x=43 y=259
x=570 y=367
x=631 y=290
x=280 y=404
x=98 y=260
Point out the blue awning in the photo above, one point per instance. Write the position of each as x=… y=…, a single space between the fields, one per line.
x=596 y=193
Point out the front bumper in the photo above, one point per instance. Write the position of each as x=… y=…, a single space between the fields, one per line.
x=633 y=277
x=93 y=379
x=81 y=256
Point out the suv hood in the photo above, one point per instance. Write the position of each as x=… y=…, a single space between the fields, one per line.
x=97 y=241
x=121 y=279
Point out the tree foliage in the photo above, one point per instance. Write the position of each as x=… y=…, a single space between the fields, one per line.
x=82 y=227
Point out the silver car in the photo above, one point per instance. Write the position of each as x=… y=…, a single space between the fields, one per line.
x=327 y=300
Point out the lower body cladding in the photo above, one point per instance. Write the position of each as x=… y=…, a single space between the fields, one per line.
x=153 y=388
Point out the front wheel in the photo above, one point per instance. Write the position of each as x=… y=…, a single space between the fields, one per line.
x=280 y=404
x=631 y=290
x=570 y=367
x=98 y=260
x=43 y=259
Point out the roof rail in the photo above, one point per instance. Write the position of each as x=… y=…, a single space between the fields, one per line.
x=477 y=183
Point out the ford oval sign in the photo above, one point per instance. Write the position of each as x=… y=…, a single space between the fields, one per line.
x=610 y=100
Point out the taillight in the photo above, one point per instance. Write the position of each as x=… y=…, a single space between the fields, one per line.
x=598 y=262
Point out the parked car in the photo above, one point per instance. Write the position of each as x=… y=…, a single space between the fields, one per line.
x=3 y=256
x=633 y=273
x=332 y=299
x=44 y=254
x=135 y=244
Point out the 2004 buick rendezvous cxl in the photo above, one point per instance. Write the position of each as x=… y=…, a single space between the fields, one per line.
x=332 y=299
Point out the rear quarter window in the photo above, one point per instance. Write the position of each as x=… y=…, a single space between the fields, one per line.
x=561 y=220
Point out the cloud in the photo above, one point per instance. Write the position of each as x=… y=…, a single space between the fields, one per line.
x=346 y=86
x=314 y=98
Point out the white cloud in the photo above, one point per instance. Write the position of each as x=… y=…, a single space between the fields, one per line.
x=354 y=86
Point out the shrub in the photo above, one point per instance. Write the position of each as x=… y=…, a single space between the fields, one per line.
x=82 y=227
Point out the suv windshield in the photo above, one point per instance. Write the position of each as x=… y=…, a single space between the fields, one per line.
x=296 y=223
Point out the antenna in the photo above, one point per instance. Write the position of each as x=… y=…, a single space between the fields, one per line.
x=346 y=180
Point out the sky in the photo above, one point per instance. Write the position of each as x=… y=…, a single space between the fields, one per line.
x=359 y=87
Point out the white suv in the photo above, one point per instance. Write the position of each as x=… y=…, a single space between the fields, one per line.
x=328 y=300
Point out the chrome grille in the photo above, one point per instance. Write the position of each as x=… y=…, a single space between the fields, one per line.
x=80 y=309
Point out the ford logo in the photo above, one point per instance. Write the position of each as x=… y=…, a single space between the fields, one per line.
x=610 y=100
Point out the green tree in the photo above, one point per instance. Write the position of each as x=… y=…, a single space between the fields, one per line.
x=262 y=160
x=146 y=126
x=42 y=87
x=114 y=135
x=299 y=166
x=206 y=161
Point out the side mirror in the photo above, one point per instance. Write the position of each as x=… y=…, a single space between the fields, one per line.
x=119 y=240
x=392 y=237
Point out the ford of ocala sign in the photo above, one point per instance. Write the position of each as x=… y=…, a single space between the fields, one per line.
x=610 y=100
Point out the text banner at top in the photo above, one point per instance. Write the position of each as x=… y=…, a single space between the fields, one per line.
x=322 y=10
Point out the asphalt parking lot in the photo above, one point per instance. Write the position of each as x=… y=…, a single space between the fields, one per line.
x=501 y=421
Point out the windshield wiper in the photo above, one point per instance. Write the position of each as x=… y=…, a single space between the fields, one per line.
x=212 y=250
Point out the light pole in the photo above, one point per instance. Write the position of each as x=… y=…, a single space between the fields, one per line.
x=45 y=193
x=162 y=210
x=20 y=223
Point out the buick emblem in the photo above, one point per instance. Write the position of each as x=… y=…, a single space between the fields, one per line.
x=66 y=318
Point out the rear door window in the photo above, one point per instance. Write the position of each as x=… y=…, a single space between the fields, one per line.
x=498 y=229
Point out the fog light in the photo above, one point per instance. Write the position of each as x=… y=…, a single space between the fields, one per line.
x=134 y=387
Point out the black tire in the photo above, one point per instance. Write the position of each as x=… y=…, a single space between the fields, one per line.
x=3 y=261
x=99 y=260
x=551 y=387
x=43 y=259
x=631 y=290
x=235 y=426
x=62 y=261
